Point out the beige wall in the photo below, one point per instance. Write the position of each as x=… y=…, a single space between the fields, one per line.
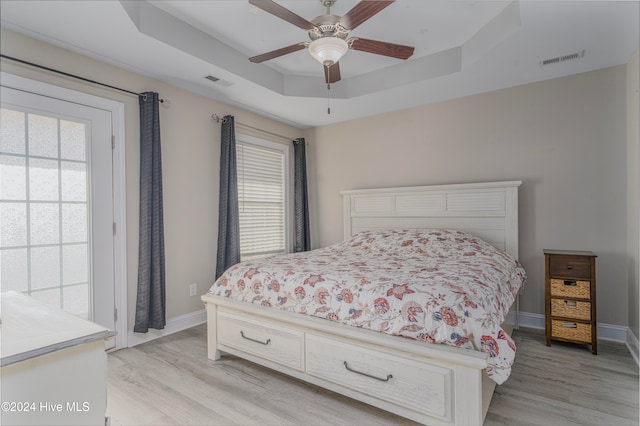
x=565 y=138
x=633 y=188
x=190 y=154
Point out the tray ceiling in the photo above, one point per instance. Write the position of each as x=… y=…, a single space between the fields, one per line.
x=461 y=48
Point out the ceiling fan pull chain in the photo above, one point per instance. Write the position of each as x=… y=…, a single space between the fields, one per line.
x=328 y=99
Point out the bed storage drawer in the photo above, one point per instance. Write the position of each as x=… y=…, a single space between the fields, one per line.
x=401 y=381
x=262 y=339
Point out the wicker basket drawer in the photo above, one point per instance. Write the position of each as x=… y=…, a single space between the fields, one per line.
x=571 y=331
x=571 y=288
x=571 y=309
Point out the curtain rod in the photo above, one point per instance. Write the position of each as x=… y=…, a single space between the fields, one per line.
x=72 y=75
x=219 y=119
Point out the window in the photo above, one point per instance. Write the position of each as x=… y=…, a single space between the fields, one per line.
x=262 y=197
x=43 y=209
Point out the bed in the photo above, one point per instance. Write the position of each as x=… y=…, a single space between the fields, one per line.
x=408 y=372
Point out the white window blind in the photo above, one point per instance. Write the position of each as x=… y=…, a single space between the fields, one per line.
x=261 y=200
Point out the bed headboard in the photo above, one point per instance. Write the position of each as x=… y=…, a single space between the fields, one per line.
x=487 y=210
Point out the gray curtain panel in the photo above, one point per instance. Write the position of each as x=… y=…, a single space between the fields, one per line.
x=301 y=198
x=150 y=304
x=228 y=216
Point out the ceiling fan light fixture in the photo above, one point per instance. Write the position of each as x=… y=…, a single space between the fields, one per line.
x=328 y=50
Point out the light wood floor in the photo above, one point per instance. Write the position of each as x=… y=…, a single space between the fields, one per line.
x=170 y=381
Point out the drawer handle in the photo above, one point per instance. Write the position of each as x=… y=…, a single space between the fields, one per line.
x=570 y=325
x=346 y=365
x=570 y=283
x=569 y=267
x=255 y=340
x=570 y=303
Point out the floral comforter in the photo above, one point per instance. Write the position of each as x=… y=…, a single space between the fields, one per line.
x=439 y=286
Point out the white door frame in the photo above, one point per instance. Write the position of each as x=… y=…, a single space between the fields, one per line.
x=119 y=180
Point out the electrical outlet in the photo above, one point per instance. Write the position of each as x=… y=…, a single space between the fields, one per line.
x=193 y=289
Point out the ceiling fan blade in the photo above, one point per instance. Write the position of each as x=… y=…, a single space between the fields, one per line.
x=363 y=11
x=382 y=48
x=275 y=9
x=278 y=52
x=332 y=73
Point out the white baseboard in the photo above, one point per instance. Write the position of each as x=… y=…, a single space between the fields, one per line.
x=534 y=321
x=174 y=325
x=615 y=333
x=632 y=344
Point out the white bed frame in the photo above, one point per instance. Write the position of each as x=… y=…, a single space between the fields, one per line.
x=428 y=383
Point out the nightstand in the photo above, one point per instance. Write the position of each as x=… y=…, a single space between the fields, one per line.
x=570 y=297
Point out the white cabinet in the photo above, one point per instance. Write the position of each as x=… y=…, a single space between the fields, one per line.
x=53 y=365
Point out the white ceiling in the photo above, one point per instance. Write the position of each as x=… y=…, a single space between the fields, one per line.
x=461 y=48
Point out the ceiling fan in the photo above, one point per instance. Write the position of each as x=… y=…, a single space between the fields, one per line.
x=329 y=35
